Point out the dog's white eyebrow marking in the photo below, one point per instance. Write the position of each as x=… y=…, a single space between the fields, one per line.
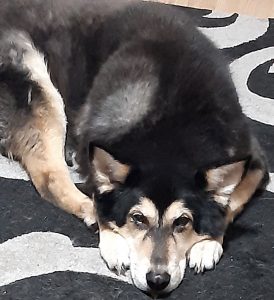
x=174 y=211
x=39 y=253
x=148 y=209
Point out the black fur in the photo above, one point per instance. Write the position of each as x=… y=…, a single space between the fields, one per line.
x=208 y=216
x=141 y=82
x=184 y=107
x=192 y=120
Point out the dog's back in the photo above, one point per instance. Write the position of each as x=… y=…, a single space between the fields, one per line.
x=160 y=91
x=163 y=94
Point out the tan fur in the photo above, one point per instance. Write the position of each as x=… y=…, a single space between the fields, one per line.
x=143 y=246
x=148 y=209
x=224 y=175
x=174 y=211
x=223 y=181
x=135 y=237
x=244 y=191
x=129 y=230
x=184 y=240
x=241 y=189
x=39 y=144
x=230 y=189
x=159 y=248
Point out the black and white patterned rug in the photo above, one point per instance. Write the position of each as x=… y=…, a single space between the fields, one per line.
x=47 y=254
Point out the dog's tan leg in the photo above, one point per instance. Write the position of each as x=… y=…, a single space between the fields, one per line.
x=39 y=143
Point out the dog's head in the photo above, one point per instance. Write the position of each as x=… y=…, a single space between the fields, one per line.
x=161 y=215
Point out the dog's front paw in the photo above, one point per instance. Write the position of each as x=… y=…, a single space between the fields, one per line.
x=114 y=250
x=205 y=255
x=87 y=212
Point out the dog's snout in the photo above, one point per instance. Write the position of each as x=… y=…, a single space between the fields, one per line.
x=157 y=281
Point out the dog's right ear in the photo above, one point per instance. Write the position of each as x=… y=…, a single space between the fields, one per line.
x=108 y=171
x=221 y=181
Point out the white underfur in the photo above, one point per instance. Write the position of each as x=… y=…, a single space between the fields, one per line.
x=224 y=193
x=103 y=182
x=205 y=255
x=139 y=267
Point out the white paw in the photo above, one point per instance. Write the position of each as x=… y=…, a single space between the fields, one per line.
x=89 y=220
x=88 y=212
x=114 y=250
x=205 y=255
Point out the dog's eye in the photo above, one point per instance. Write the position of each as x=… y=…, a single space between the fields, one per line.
x=181 y=222
x=139 y=219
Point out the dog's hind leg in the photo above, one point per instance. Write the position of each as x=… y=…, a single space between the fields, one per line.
x=38 y=134
x=256 y=177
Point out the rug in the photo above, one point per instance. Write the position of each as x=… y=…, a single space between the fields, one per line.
x=48 y=254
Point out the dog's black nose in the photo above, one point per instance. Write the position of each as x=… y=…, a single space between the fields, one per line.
x=157 y=281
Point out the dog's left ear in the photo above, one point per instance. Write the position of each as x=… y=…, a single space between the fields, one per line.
x=223 y=180
x=108 y=171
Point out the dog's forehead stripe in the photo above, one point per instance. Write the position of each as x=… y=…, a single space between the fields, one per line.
x=174 y=211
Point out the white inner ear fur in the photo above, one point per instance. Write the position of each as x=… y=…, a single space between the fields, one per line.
x=108 y=170
x=223 y=180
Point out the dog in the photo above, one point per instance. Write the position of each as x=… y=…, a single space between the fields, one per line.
x=148 y=105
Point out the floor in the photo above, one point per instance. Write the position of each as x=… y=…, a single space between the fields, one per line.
x=258 y=8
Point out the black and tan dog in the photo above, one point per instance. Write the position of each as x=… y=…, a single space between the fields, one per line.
x=153 y=116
